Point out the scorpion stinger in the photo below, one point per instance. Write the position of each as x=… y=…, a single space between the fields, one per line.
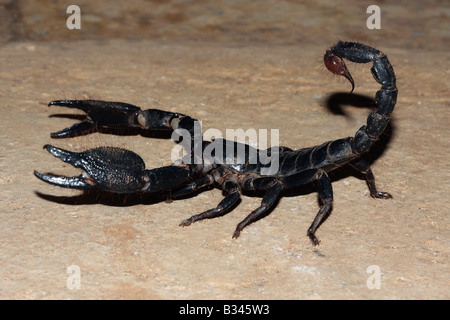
x=122 y=171
x=337 y=66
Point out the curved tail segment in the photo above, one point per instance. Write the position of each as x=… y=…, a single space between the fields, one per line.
x=385 y=98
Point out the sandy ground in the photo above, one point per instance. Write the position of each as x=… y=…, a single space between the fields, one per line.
x=233 y=65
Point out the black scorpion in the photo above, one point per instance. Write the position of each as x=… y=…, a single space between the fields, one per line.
x=118 y=170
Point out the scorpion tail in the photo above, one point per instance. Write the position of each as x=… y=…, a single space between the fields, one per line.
x=385 y=98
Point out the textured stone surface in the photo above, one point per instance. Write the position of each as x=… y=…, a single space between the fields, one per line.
x=233 y=65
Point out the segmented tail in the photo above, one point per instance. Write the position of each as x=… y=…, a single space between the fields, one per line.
x=385 y=98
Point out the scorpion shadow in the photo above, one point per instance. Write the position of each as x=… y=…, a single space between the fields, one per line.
x=90 y=197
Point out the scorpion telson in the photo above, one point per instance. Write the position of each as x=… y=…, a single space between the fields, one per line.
x=337 y=66
x=122 y=171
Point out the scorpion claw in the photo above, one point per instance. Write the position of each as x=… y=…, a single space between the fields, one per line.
x=100 y=114
x=80 y=182
x=336 y=65
x=77 y=129
x=84 y=181
x=67 y=156
x=111 y=169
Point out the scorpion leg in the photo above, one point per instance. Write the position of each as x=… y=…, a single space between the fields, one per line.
x=325 y=191
x=364 y=167
x=222 y=208
x=272 y=194
x=194 y=186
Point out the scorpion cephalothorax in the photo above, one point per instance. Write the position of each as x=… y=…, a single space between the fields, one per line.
x=122 y=171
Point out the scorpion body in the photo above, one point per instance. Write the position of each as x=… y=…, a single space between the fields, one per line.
x=122 y=171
